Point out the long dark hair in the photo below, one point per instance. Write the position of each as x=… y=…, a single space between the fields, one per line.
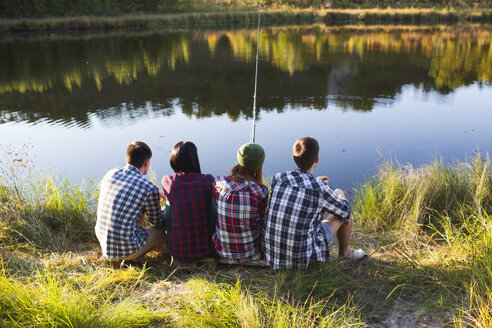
x=184 y=158
x=239 y=173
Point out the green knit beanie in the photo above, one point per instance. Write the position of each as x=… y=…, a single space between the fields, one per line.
x=251 y=156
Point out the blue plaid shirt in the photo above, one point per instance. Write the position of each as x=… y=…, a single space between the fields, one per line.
x=125 y=195
x=293 y=235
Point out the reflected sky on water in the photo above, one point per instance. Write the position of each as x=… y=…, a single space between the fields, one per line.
x=409 y=93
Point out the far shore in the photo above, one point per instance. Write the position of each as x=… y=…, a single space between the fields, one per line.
x=245 y=19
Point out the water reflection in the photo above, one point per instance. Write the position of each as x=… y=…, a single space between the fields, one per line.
x=122 y=77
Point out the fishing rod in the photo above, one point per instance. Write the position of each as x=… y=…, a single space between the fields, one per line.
x=253 y=128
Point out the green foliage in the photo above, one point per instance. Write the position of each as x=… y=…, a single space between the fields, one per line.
x=208 y=304
x=61 y=8
x=48 y=213
x=409 y=3
x=38 y=8
x=51 y=299
x=401 y=197
x=450 y=259
x=67 y=77
x=452 y=203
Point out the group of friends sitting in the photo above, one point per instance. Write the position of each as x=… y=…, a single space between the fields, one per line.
x=227 y=217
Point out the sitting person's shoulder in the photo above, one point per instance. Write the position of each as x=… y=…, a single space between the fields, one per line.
x=300 y=179
x=148 y=185
x=142 y=182
x=285 y=175
x=221 y=178
x=208 y=177
x=221 y=181
x=112 y=173
x=293 y=177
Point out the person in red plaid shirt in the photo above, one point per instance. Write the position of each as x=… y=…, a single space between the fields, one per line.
x=241 y=206
x=190 y=218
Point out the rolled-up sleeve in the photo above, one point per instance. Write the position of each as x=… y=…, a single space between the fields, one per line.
x=335 y=205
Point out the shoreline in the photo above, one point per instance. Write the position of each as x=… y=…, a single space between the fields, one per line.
x=244 y=19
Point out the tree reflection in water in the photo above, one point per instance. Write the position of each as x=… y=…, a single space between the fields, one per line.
x=207 y=73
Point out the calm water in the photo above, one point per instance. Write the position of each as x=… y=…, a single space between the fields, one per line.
x=410 y=93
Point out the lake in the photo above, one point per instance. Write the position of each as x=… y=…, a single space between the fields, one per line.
x=411 y=93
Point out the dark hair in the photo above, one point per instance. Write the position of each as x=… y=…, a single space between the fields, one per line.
x=137 y=153
x=305 y=152
x=184 y=158
x=239 y=173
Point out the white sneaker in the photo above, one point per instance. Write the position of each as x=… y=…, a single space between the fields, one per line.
x=358 y=255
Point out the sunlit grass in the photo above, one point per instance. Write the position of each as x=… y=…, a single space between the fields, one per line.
x=49 y=298
x=428 y=231
x=479 y=311
x=49 y=214
x=205 y=304
x=440 y=216
x=403 y=197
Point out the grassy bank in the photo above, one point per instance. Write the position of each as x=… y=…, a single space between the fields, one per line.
x=428 y=232
x=246 y=18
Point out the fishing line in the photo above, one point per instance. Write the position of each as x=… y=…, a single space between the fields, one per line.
x=253 y=128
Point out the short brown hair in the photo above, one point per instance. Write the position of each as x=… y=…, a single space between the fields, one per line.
x=184 y=158
x=305 y=152
x=137 y=153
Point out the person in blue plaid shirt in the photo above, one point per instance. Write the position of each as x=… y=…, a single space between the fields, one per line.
x=304 y=214
x=125 y=198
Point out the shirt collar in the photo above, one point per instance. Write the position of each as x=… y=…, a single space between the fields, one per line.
x=306 y=174
x=130 y=167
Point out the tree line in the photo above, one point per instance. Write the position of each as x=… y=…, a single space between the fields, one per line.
x=57 y=8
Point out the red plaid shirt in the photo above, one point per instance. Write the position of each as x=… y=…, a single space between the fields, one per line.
x=241 y=207
x=191 y=227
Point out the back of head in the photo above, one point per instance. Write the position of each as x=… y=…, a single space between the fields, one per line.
x=305 y=152
x=250 y=158
x=137 y=153
x=184 y=158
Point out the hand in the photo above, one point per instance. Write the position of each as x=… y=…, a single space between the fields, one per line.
x=340 y=193
x=163 y=197
x=141 y=220
x=323 y=178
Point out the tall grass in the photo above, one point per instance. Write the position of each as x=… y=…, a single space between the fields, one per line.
x=448 y=204
x=48 y=213
x=51 y=299
x=474 y=238
x=404 y=197
x=437 y=219
x=208 y=304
